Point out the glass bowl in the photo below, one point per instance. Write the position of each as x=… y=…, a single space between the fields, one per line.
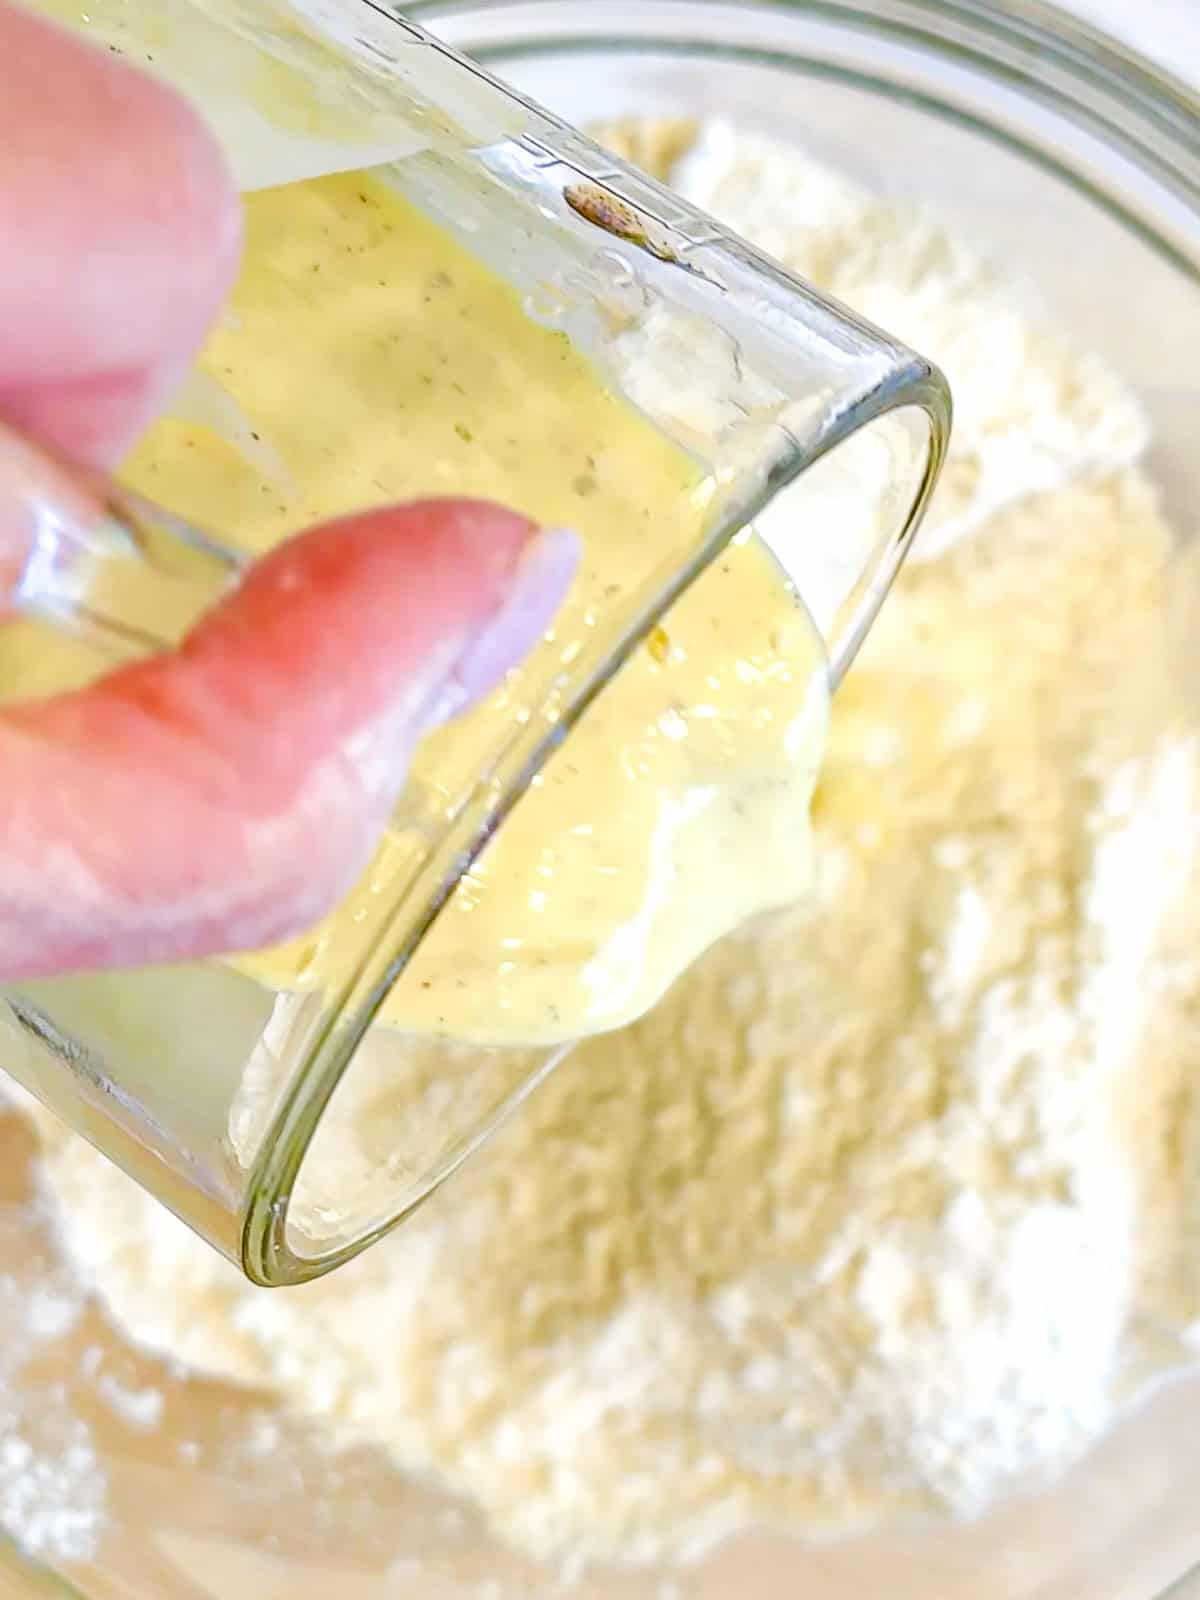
x=1080 y=163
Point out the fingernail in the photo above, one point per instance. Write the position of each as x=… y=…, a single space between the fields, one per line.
x=537 y=588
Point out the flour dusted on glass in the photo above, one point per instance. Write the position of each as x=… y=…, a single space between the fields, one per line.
x=890 y=1206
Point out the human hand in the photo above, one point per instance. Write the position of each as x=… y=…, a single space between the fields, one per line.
x=226 y=795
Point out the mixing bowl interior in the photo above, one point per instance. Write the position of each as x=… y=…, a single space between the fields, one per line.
x=1087 y=228
x=159 y=1485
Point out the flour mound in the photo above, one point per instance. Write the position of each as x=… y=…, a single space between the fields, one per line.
x=891 y=1205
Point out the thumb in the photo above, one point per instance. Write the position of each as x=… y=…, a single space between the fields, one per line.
x=226 y=795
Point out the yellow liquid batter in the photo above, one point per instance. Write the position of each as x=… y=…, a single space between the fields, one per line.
x=381 y=362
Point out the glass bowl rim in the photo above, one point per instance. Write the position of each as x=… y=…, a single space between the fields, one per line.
x=1136 y=107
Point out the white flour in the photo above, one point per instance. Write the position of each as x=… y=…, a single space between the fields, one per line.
x=53 y=1487
x=1031 y=410
x=891 y=1205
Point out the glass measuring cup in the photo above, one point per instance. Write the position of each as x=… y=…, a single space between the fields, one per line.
x=221 y=1093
